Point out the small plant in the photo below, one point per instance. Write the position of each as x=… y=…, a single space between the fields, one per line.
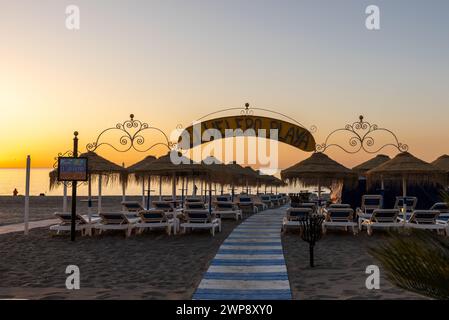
x=418 y=262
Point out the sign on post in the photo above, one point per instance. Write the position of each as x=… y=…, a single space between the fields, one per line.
x=72 y=169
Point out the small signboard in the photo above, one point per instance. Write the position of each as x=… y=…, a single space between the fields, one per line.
x=72 y=169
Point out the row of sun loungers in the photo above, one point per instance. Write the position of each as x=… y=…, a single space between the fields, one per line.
x=371 y=216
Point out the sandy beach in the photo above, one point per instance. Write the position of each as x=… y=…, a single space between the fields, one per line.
x=157 y=266
x=149 y=266
x=339 y=273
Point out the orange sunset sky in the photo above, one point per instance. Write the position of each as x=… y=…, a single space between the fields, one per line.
x=171 y=62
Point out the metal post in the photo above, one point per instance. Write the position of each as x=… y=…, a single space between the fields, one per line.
x=27 y=195
x=74 y=186
x=210 y=196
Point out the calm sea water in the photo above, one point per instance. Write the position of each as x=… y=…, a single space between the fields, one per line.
x=15 y=178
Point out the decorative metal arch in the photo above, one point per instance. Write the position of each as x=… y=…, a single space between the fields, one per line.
x=131 y=137
x=247 y=111
x=361 y=138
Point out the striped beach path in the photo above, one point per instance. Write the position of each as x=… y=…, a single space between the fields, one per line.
x=250 y=264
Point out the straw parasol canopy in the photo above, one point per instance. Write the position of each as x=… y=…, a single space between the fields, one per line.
x=443 y=164
x=240 y=175
x=97 y=165
x=164 y=167
x=362 y=168
x=319 y=170
x=407 y=168
x=142 y=165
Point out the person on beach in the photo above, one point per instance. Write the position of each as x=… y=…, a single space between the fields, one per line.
x=15 y=192
x=195 y=189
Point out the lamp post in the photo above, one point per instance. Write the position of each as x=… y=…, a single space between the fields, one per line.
x=74 y=185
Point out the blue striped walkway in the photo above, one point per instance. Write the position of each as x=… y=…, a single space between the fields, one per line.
x=250 y=263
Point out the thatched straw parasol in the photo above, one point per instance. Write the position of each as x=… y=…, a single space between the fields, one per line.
x=406 y=168
x=443 y=164
x=319 y=170
x=362 y=168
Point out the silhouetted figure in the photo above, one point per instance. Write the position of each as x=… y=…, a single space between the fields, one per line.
x=195 y=189
x=15 y=192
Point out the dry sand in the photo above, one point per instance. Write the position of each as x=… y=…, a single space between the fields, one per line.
x=339 y=273
x=149 y=266
x=156 y=266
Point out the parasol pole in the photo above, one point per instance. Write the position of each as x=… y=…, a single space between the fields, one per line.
x=160 y=188
x=89 y=198
x=123 y=186
x=174 y=189
x=210 y=196
x=193 y=187
x=143 y=191
x=149 y=193
x=99 y=193
x=182 y=192
x=404 y=195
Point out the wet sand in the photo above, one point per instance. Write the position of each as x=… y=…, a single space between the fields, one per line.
x=339 y=273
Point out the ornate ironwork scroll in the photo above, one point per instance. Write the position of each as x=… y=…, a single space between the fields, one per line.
x=361 y=138
x=131 y=137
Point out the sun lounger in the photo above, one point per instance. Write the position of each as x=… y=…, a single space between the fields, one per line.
x=195 y=206
x=265 y=198
x=150 y=219
x=424 y=219
x=292 y=217
x=309 y=205
x=246 y=204
x=132 y=206
x=201 y=219
x=382 y=218
x=409 y=201
x=227 y=209
x=117 y=221
x=222 y=198
x=81 y=223
x=370 y=202
x=340 y=217
x=166 y=206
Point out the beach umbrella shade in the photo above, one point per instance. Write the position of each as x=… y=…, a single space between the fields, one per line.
x=443 y=164
x=319 y=170
x=406 y=168
x=239 y=175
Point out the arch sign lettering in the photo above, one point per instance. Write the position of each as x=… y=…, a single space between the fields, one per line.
x=265 y=127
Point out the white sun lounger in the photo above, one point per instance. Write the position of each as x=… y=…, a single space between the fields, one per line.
x=425 y=219
x=292 y=217
x=201 y=219
x=81 y=223
x=340 y=217
x=227 y=209
x=151 y=219
x=382 y=218
x=117 y=221
x=370 y=202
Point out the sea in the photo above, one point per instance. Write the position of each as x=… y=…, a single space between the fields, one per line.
x=11 y=179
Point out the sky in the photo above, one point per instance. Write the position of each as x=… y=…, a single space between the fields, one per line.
x=171 y=62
